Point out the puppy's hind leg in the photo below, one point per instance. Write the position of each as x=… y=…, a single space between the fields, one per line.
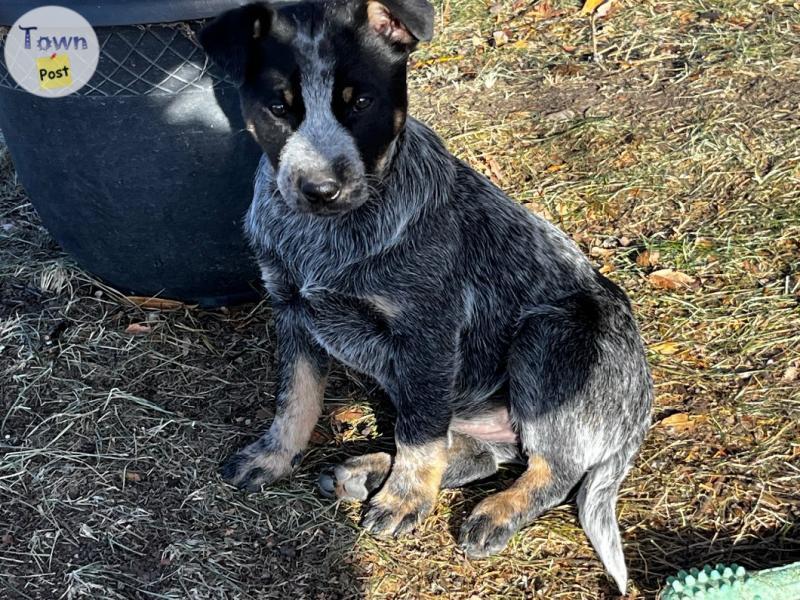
x=544 y=484
x=579 y=394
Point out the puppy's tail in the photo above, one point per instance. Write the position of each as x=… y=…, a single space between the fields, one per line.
x=597 y=499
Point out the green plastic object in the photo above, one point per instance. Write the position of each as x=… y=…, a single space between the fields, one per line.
x=734 y=582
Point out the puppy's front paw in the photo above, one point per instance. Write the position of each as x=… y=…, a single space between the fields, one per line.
x=393 y=513
x=254 y=467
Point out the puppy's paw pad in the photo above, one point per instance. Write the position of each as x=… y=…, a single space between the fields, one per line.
x=356 y=478
x=339 y=482
x=482 y=536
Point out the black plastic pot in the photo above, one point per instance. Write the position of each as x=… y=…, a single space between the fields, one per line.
x=144 y=174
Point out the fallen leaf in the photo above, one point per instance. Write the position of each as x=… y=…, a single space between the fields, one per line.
x=739 y=22
x=669 y=279
x=133 y=476
x=438 y=60
x=599 y=252
x=665 y=348
x=648 y=258
x=544 y=10
x=685 y=17
x=555 y=168
x=8 y=539
x=591 y=6
x=682 y=422
x=790 y=374
x=138 y=329
x=501 y=38
x=347 y=415
x=496 y=171
x=156 y=303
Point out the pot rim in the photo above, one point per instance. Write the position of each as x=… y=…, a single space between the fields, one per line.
x=105 y=13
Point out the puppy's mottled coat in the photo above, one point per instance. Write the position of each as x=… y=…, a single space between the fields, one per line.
x=493 y=335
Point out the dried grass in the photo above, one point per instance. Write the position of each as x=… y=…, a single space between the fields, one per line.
x=664 y=137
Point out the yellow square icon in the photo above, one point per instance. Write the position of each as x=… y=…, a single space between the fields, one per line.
x=54 y=71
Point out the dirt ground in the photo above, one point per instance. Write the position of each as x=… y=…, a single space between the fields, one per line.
x=661 y=136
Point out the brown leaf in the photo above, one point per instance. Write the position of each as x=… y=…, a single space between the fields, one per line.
x=544 y=10
x=138 y=329
x=133 y=476
x=156 y=303
x=347 y=415
x=682 y=422
x=599 y=252
x=648 y=258
x=665 y=348
x=668 y=279
x=496 y=171
x=7 y=539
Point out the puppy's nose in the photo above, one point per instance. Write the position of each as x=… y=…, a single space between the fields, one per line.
x=321 y=192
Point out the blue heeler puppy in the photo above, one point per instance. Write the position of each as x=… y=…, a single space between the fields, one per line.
x=493 y=335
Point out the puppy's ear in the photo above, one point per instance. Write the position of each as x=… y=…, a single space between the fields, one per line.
x=230 y=38
x=401 y=22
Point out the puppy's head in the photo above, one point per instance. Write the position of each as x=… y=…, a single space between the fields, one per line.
x=323 y=89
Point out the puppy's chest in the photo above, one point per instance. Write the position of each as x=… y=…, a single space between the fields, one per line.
x=333 y=292
x=352 y=327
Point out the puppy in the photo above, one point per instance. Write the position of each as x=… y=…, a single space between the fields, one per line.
x=494 y=337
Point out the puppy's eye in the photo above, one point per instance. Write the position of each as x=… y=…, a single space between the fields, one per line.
x=279 y=109
x=362 y=103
